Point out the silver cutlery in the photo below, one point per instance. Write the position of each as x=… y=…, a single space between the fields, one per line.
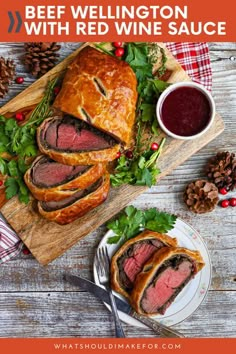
x=123 y=306
x=102 y=263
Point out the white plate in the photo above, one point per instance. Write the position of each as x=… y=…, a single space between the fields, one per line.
x=194 y=292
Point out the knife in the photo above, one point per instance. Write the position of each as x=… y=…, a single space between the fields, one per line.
x=123 y=306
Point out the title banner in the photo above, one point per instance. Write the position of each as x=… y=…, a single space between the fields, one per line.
x=92 y=20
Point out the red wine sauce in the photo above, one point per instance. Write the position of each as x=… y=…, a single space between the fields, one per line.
x=185 y=111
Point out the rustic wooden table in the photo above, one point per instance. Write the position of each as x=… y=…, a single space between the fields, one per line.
x=34 y=300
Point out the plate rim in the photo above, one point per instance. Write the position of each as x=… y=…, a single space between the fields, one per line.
x=153 y=317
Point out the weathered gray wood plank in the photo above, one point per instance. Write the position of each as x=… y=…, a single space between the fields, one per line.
x=24 y=274
x=80 y=315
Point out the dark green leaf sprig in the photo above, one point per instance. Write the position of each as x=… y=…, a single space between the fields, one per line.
x=132 y=221
x=140 y=171
x=19 y=143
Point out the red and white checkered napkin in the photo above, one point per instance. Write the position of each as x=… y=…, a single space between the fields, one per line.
x=194 y=58
x=10 y=244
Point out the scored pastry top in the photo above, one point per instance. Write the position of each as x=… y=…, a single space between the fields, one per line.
x=101 y=90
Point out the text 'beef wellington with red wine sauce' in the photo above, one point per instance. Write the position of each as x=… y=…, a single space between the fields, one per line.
x=73 y=142
x=129 y=260
x=163 y=277
x=101 y=90
x=78 y=204
x=52 y=181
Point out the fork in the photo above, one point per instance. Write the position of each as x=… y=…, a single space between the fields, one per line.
x=102 y=263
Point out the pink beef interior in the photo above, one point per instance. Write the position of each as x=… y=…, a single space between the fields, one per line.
x=50 y=132
x=141 y=253
x=70 y=138
x=71 y=134
x=54 y=173
x=159 y=293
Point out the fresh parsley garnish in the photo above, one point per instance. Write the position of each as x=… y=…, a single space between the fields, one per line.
x=18 y=143
x=140 y=171
x=132 y=221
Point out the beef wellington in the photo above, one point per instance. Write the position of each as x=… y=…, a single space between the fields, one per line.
x=72 y=142
x=163 y=277
x=52 y=181
x=101 y=90
x=129 y=260
x=78 y=204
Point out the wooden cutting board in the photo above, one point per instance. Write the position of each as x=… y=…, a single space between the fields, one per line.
x=47 y=240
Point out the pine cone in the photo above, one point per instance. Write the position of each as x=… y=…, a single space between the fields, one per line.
x=201 y=196
x=221 y=170
x=7 y=73
x=41 y=57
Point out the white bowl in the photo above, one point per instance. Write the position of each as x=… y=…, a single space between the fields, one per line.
x=173 y=87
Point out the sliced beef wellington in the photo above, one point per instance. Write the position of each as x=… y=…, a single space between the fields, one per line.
x=78 y=204
x=49 y=180
x=73 y=142
x=100 y=89
x=129 y=260
x=163 y=277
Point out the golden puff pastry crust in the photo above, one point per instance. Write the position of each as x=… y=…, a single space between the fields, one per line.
x=151 y=267
x=145 y=235
x=64 y=190
x=77 y=157
x=80 y=207
x=101 y=90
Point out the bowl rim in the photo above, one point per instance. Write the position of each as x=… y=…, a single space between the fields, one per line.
x=173 y=87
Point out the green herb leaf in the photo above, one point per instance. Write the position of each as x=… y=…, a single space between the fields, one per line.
x=30 y=150
x=113 y=240
x=161 y=223
x=132 y=221
x=23 y=167
x=12 y=187
x=11 y=126
x=3 y=166
x=13 y=168
x=148 y=112
x=20 y=142
x=24 y=198
x=2 y=119
x=140 y=171
x=144 y=178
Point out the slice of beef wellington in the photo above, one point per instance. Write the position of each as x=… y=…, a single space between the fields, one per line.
x=78 y=204
x=49 y=180
x=101 y=90
x=129 y=260
x=163 y=277
x=73 y=142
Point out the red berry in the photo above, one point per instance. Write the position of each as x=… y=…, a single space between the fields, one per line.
x=20 y=116
x=154 y=146
x=56 y=90
x=232 y=202
x=118 y=155
x=20 y=80
x=224 y=203
x=223 y=191
x=117 y=44
x=119 y=52
x=129 y=154
x=1 y=183
x=26 y=251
